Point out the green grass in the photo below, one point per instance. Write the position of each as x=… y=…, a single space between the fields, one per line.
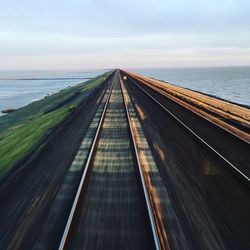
x=20 y=139
x=39 y=107
x=21 y=131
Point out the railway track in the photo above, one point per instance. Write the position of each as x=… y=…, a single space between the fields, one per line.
x=111 y=208
x=156 y=177
x=208 y=202
x=227 y=147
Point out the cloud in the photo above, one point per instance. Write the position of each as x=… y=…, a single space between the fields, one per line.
x=124 y=18
x=94 y=29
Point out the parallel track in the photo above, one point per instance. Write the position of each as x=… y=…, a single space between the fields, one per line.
x=68 y=227
x=209 y=147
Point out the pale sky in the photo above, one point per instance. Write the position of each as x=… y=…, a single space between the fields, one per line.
x=74 y=34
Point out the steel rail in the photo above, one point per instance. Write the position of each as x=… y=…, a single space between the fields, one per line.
x=145 y=191
x=79 y=190
x=242 y=175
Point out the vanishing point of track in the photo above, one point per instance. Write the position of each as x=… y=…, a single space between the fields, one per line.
x=150 y=224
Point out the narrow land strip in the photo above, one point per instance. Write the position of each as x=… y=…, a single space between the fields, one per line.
x=233 y=117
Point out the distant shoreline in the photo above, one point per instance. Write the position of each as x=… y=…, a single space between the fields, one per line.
x=49 y=78
x=20 y=88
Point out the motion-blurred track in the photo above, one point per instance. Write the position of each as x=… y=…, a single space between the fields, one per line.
x=132 y=169
x=111 y=209
x=227 y=146
x=209 y=198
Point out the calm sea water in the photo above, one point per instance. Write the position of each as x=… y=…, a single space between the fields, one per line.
x=16 y=91
x=230 y=83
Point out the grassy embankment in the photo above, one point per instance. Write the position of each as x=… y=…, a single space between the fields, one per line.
x=22 y=130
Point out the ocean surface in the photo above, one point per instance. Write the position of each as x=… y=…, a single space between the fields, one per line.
x=19 y=88
x=229 y=83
